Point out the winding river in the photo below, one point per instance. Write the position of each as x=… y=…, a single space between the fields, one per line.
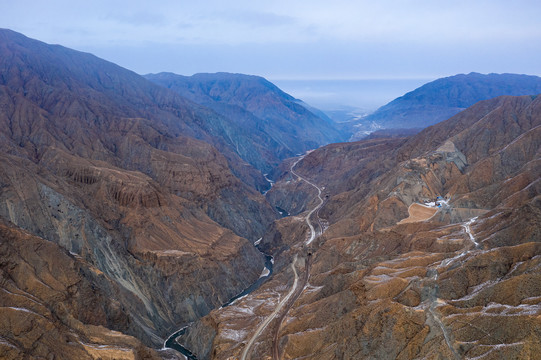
x=171 y=342
x=294 y=291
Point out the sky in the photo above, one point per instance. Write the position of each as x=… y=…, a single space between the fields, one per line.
x=293 y=39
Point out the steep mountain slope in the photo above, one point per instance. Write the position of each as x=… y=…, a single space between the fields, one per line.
x=389 y=281
x=28 y=65
x=95 y=106
x=52 y=305
x=443 y=98
x=267 y=124
x=108 y=168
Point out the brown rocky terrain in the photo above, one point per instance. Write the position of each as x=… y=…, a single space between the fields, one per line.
x=127 y=213
x=463 y=283
x=55 y=305
x=150 y=216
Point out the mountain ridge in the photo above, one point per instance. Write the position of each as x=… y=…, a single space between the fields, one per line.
x=442 y=98
x=128 y=211
x=283 y=126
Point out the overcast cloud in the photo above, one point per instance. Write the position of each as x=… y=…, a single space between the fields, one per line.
x=293 y=39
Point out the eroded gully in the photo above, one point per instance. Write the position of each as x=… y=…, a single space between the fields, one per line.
x=433 y=290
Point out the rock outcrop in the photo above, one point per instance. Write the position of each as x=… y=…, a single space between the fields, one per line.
x=56 y=305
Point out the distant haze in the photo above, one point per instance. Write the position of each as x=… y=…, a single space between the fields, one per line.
x=367 y=94
x=302 y=39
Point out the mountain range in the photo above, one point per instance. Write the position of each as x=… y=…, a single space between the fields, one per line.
x=440 y=99
x=130 y=206
x=270 y=125
x=123 y=182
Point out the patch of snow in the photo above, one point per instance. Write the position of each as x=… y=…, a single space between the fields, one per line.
x=22 y=309
x=449 y=261
x=383 y=266
x=41 y=282
x=375 y=279
x=467 y=228
x=170 y=252
x=518 y=138
x=235 y=335
x=522 y=309
x=515 y=267
x=496 y=215
x=29 y=297
x=258 y=241
x=477 y=289
x=502 y=310
x=493 y=348
x=265 y=272
x=532 y=298
x=310 y=330
x=4 y=341
x=311 y=288
x=284 y=213
x=243 y=310
x=106 y=347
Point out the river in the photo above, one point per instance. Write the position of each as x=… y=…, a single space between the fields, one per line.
x=171 y=342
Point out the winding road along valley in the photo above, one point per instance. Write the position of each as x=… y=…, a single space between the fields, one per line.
x=283 y=306
x=296 y=289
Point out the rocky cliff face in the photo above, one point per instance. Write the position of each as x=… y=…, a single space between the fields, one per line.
x=390 y=281
x=110 y=173
x=56 y=97
x=56 y=305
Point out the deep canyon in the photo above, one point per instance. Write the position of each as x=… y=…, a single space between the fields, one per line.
x=134 y=206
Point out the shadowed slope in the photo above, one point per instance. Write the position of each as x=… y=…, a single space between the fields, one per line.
x=264 y=120
x=445 y=97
